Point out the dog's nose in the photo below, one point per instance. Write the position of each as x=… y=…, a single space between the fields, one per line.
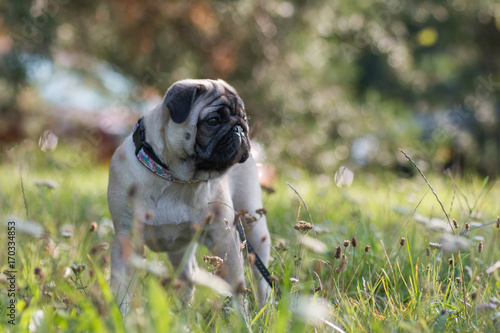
x=238 y=129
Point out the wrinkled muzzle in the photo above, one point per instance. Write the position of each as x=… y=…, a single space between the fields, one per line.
x=232 y=148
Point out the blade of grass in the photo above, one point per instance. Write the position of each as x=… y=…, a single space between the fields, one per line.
x=259 y=314
x=432 y=189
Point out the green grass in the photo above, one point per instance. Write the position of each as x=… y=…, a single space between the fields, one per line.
x=392 y=287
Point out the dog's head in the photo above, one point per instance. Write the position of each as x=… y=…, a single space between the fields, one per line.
x=206 y=126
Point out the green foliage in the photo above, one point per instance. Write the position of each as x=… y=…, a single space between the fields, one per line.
x=392 y=286
x=319 y=74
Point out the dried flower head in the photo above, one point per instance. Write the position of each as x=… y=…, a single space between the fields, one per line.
x=249 y=218
x=443 y=312
x=367 y=248
x=434 y=245
x=467 y=226
x=303 y=226
x=282 y=246
x=347 y=243
x=37 y=271
x=93 y=227
x=99 y=247
x=455 y=223
x=214 y=262
x=427 y=251
x=480 y=247
x=338 y=252
x=354 y=242
x=473 y=296
x=450 y=261
x=251 y=258
x=246 y=291
x=343 y=263
x=241 y=212
x=458 y=280
x=241 y=289
x=402 y=241
x=274 y=280
x=78 y=268
x=261 y=211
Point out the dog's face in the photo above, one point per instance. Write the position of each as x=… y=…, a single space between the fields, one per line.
x=206 y=126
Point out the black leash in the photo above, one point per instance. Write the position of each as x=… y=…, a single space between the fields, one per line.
x=258 y=262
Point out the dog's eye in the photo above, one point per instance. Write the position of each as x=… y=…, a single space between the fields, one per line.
x=213 y=121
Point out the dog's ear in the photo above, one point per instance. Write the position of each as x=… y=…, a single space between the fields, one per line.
x=179 y=99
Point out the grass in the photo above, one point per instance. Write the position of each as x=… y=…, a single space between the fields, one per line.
x=395 y=285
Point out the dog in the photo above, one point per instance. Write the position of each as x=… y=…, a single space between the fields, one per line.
x=187 y=161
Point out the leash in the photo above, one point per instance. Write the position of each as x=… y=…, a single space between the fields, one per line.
x=258 y=262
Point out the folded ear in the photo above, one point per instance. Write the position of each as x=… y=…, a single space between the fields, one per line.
x=179 y=99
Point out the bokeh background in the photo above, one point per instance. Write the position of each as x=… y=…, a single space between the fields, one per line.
x=327 y=84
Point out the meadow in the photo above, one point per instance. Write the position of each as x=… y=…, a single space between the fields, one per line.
x=386 y=254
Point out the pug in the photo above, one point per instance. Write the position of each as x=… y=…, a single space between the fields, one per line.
x=187 y=161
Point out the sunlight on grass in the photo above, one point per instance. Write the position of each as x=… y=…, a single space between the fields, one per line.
x=392 y=261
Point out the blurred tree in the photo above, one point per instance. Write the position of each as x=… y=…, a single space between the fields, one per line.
x=20 y=40
x=320 y=74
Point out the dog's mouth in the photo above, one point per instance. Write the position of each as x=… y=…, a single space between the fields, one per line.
x=232 y=148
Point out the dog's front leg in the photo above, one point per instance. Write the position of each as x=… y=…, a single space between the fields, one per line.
x=185 y=260
x=123 y=276
x=223 y=242
x=258 y=236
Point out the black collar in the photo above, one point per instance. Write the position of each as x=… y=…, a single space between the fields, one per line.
x=146 y=155
x=140 y=142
